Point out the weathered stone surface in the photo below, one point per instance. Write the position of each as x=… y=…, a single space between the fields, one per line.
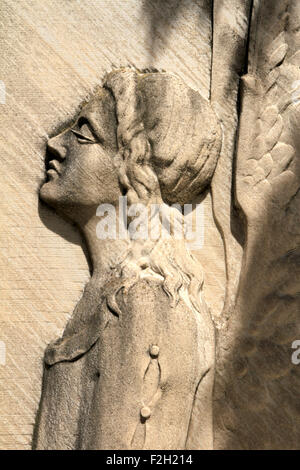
x=138 y=354
x=256 y=371
x=202 y=106
x=53 y=55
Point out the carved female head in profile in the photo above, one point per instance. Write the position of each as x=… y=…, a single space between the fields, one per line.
x=144 y=135
x=138 y=121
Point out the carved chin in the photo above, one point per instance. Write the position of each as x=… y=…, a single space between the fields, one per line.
x=48 y=192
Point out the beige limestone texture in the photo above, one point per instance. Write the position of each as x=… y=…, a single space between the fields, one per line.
x=242 y=56
x=53 y=54
x=256 y=372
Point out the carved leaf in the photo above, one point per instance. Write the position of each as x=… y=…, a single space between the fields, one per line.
x=282 y=155
x=295 y=59
x=278 y=56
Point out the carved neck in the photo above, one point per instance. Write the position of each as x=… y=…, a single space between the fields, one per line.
x=104 y=254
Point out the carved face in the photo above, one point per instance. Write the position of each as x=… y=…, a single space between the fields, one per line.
x=80 y=169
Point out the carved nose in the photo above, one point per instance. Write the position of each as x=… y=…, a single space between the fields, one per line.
x=56 y=148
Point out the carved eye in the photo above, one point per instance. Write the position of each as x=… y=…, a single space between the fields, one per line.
x=84 y=133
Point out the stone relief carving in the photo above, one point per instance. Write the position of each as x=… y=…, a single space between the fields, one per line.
x=256 y=373
x=138 y=351
x=143 y=363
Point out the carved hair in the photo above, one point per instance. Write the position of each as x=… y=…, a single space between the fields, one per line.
x=169 y=140
x=166 y=127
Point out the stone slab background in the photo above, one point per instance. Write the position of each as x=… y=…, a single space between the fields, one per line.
x=53 y=54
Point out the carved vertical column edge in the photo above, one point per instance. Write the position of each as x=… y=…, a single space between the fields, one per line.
x=230 y=26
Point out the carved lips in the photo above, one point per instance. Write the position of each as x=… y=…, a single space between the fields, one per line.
x=53 y=168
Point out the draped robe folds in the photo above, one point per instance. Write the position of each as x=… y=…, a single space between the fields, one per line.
x=137 y=374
